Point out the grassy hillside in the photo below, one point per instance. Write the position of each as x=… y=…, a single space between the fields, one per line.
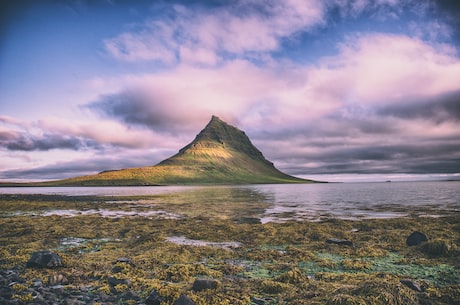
x=220 y=154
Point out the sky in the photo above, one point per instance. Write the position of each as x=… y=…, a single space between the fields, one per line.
x=342 y=90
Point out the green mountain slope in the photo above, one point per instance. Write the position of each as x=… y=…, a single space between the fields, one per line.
x=220 y=154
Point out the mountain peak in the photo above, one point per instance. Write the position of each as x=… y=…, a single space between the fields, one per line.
x=218 y=133
x=219 y=154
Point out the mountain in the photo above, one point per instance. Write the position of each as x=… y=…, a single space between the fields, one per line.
x=220 y=154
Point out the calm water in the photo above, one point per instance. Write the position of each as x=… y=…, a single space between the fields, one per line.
x=309 y=201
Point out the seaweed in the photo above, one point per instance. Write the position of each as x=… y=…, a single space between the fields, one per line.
x=280 y=263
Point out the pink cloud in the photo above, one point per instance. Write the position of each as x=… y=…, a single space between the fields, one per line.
x=384 y=68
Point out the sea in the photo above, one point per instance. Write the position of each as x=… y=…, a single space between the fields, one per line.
x=284 y=202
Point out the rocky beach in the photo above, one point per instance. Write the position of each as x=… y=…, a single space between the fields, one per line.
x=59 y=249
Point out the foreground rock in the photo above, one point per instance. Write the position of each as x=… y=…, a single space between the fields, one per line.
x=435 y=248
x=154 y=298
x=44 y=259
x=203 y=284
x=416 y=238
x=184 y=300
x=16 y=290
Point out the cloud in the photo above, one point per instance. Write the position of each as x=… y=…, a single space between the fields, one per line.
x=371 y=70
x=80 y=166
x=26 y=142
x=63 y=134
x=248 y=29
x=243 y=28
x=183 y=99
x=441 y=108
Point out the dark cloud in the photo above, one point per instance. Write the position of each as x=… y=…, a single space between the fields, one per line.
x=416 y=158
x=437 y=109
x=450 y=10
x=139 y=110
x=76 y=168
x=6 y=136
x=27 y=142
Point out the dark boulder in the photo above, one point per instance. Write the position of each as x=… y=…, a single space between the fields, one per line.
x=154 y=298
x=341 y=242
x=44 y=259
x=113 y=281
x=203 y=284
x=184 y=300
x=416 y=238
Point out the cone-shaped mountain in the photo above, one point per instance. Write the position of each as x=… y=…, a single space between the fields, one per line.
x=220 y=154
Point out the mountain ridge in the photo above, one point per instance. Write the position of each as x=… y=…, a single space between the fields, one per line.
x=219 y=154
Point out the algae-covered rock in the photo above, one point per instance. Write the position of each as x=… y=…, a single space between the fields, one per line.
x=293 y=276
x=345 y=299
x=274 y=287
x=386 y=293
x=203 y=284
x=435 y=248
x=44 y=259
x=416 y=238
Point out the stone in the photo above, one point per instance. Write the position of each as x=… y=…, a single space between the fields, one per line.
x=6 y=292
x=203 y=284
x=44 y=259
x=435 y=248
x=184 y=300
x=129 y=295
x=117 y=269
x=154 y=298
x=412 y=285
x=416 y=238
x=113 y=281
x=341 y=242
x=125 y=260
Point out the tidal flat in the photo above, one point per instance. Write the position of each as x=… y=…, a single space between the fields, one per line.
x=151 y=250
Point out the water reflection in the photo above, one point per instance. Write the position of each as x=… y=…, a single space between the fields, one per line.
x=239 y=203
x=266 y=203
